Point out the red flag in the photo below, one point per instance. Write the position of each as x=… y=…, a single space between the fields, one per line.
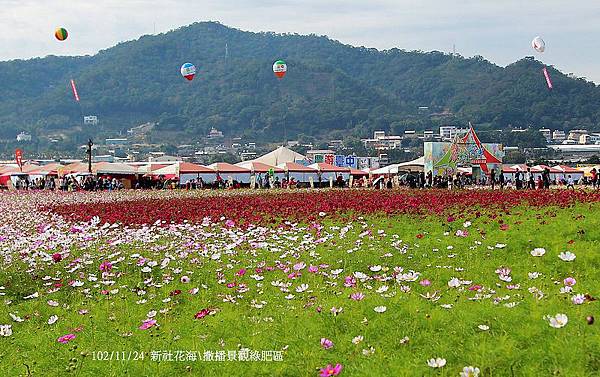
x=74 y=90
x=19 y=158
x=547 y=76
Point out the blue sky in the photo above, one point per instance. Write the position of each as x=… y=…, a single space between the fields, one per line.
x=501 y=31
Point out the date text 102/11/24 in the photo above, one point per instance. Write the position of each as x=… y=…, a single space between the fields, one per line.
x=118 y=355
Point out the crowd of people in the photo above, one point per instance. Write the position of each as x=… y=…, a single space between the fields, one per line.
x=414 y=180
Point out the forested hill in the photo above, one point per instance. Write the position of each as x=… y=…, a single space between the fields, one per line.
x=331 y=89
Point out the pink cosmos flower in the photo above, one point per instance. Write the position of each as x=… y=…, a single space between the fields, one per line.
x=326 y=343
x=241 y=272
x=313 y=269
x=569 y=282
x=330 y=370
x=66 y=338
x=105 y=266
x=147 y=323
x=475 y=287
x=202 y=313
x=299 y=266
x=56 y=257
x=425 y=283
x=357 y=296
x=230 y=223
x=349 y=281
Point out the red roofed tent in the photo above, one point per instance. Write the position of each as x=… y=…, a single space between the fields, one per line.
x=226 y=171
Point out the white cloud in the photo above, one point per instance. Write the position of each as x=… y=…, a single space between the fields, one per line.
x=500 y=31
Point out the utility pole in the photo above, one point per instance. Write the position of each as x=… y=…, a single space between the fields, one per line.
x=89 y=153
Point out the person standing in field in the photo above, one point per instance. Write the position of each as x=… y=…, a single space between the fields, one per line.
x=493 y=178
x=546 y=178
x=570 y=183
x=594 y=173
x=501 y=179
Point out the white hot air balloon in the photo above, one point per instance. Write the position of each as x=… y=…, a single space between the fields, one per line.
x=538 y=44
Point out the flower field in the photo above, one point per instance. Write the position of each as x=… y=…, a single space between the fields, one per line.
x=333 y=282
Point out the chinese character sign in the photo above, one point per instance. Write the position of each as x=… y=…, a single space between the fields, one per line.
x=351 y=162
x=329 y=159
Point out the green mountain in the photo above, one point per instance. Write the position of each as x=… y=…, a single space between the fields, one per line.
x=331 y=89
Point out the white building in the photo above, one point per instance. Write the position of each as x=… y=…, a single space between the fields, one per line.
x=90 y=120
x=116 y=141
x=450 y=132
x=382 y=142
x=214 y=134
x=576 y=134
x=547 y=133
x=24 y=136
x=558 y=136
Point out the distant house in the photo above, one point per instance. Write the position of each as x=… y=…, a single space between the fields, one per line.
x=164 y=158
x=23 y=137
x=450 y=132
x=214 y=134
x=90 y=120
x=558 y=135
x=116 y=141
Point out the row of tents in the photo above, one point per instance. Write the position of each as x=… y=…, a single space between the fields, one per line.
x=181 y=171
x=282 y=162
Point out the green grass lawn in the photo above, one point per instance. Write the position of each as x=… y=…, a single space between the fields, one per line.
x=268 y=311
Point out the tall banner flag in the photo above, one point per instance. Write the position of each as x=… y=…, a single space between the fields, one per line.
x=547 y=76
x=19 y=158
x=75 y=94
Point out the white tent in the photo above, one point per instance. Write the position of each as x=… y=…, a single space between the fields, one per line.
x=417 y=165
x=279 y=156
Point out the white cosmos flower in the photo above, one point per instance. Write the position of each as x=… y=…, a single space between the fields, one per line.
x=52 y=303
x=337 y=272
x=383 y=288
x=483 y=327
x=469 y=372
x=380 y=309
x=357 y=339
x=454 y=283
x=5 y=330
x=360 y=275
x=500 y=246
x=52 y=319
x=289 y=297
x=301 y=288
x=146 y=269
x=466 y=224
x=558 y=321
x=566 y=289
x=578 y=299
x=376 y=268
x=567 y=256
x=409 y=276
x=538 y=252
x=16 y=318
x=436 y=363
x=533 y=275
x=151 y=313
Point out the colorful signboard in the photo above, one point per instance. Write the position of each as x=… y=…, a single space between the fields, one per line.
x=464 y=151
